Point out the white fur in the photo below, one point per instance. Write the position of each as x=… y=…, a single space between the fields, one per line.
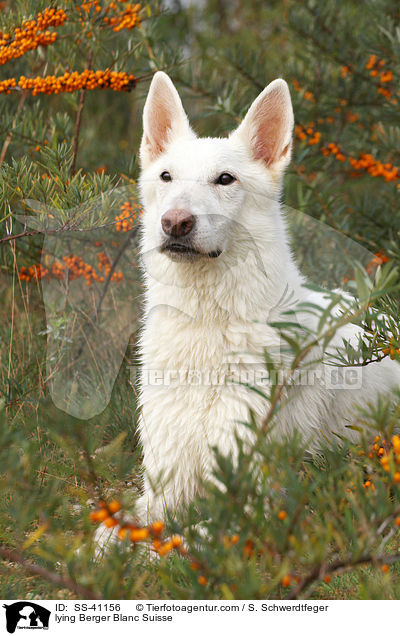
x=205 y=313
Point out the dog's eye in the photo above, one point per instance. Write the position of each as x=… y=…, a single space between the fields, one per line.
x=165 y=176
x=225 y=179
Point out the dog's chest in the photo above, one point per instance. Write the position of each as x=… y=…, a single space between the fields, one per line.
x=192 y=375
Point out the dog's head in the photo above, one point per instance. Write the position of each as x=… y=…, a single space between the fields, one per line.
x=194 y=188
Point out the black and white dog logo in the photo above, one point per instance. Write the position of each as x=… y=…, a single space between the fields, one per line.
x=26 y=615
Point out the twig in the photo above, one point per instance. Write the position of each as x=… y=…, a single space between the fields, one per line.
x=7 y=141
x=339 y=566
x=77 y=129
x=299 y=359
x=64 y=228
x=96 y=314
x=81 y=591
x=75 y=142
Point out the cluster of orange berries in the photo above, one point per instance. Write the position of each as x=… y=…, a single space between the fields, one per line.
x=34 y=33
x=75 y=266
x=388 y=454
x=334 y=149
x=104 y=265
x=374 y=167
x=128 y=19
x=31 y=34
x=392 y=350
x=124 y=221
x=307 y=94
x=105 y=513
x=378 y=259
x=70 y=82
x=375 y=66
x=308 y=133
x=89 y=5
x=33 y=272
x=365 y=162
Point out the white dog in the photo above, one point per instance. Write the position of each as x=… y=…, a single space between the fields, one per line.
x=218 y=265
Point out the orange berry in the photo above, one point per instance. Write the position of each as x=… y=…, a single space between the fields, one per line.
x=327 y=578
x=286 y=581
x=235 y=539
x=282 y=515
x=385 y=568
x=139 y=534
x=99 y=515
x=110 y=522
x=157 y=527
x=114 y=506
x=397 y=521
x=165 y=548
x=202 y=580
x=176 y=541
x=122 y=533
x=396 y=477
x=157 y=544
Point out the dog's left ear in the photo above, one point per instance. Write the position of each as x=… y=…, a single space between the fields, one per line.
x=268 y=125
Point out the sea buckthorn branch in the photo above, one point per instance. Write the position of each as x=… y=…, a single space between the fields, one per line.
x=70 y=82
x=378 y=259
x=385 y=77
x=388 y=454
x=129 y=212
x=76 y=267
x=326 y=336
x=65 y=228
x=365 y=162
x=31 y=34
x=35 y=32
x=111 y=271
x=110 y=515
x=127 y=18
x=81 y=591
x=323 y=570
x=308 y=133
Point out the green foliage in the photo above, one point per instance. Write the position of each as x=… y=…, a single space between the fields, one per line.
x=283 y=521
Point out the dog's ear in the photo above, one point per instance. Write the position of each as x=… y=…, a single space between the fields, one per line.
x=268 y=125
x=163 y=118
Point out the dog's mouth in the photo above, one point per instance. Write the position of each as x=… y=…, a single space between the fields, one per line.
x=184 y=251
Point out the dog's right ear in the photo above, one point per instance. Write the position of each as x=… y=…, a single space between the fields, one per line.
x=163 y=118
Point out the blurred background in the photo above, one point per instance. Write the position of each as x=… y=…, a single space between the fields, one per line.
x=73 y=79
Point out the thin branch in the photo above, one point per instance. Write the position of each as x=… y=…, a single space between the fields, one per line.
x=96 y=314
x=340 y=565
x=75 y=142
x=8 y=139
x=81 y=591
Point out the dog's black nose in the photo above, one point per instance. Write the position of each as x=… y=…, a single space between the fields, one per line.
x=177 y=222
